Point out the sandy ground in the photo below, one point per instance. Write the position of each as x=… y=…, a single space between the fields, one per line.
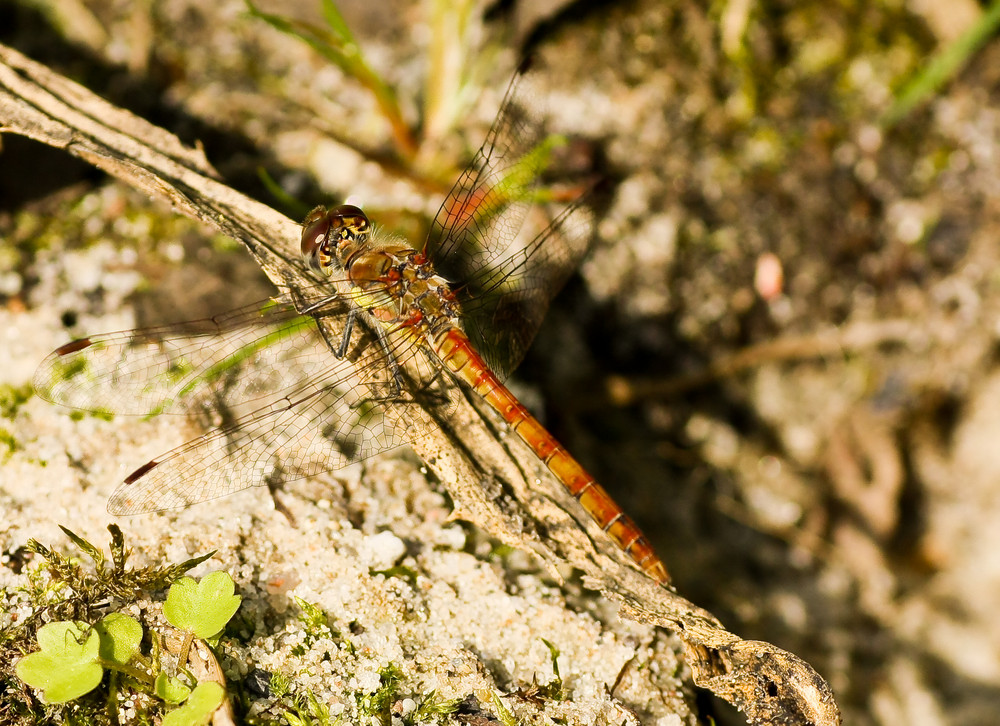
x=793 y=306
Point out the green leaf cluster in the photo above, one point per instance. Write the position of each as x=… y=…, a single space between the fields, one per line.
x=74 y=655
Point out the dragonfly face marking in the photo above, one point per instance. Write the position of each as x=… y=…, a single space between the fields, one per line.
x=337 y=233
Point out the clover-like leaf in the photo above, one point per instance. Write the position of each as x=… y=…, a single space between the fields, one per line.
x=170 y=689
x=202 y=608
x=66 y=667
x=121 y=635
x=201 y=704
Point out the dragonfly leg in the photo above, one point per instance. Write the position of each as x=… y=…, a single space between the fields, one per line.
x=339 y=350
x=435 y=385
x=395 y=382
x=392 y=388
x=348 y=330
x=431 y=391
x=394 y=368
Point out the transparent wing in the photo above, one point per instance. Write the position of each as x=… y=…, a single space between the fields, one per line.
x=507 y=306
x=356 y=407
x=505 y=271
x=280 y=404
x=249 y=352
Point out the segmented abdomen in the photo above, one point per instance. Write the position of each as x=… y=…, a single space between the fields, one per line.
x=457 y=353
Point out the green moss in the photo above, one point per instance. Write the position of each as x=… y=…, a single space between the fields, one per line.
x=432 y=708
x=8 y=444
x=316 y=623
x=12 y=398
x=378 y=704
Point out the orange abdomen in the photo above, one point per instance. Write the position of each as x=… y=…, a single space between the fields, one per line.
x=455 y=350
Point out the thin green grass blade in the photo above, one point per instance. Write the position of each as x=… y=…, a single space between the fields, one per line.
x=943 y=66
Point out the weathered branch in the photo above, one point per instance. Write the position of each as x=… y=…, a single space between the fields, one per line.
x=498 y=485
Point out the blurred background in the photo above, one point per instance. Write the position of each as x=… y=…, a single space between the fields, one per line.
x=780 y=355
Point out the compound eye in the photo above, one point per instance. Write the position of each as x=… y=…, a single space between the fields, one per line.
x=316 y=241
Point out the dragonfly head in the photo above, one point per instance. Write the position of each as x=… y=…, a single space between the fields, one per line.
x=333 y=234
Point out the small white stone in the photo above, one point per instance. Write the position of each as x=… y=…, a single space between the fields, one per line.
x=382 y=550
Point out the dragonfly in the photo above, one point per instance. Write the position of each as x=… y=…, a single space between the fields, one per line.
x=306 y=382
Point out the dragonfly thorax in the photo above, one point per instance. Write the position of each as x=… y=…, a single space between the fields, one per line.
x=397 y=284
